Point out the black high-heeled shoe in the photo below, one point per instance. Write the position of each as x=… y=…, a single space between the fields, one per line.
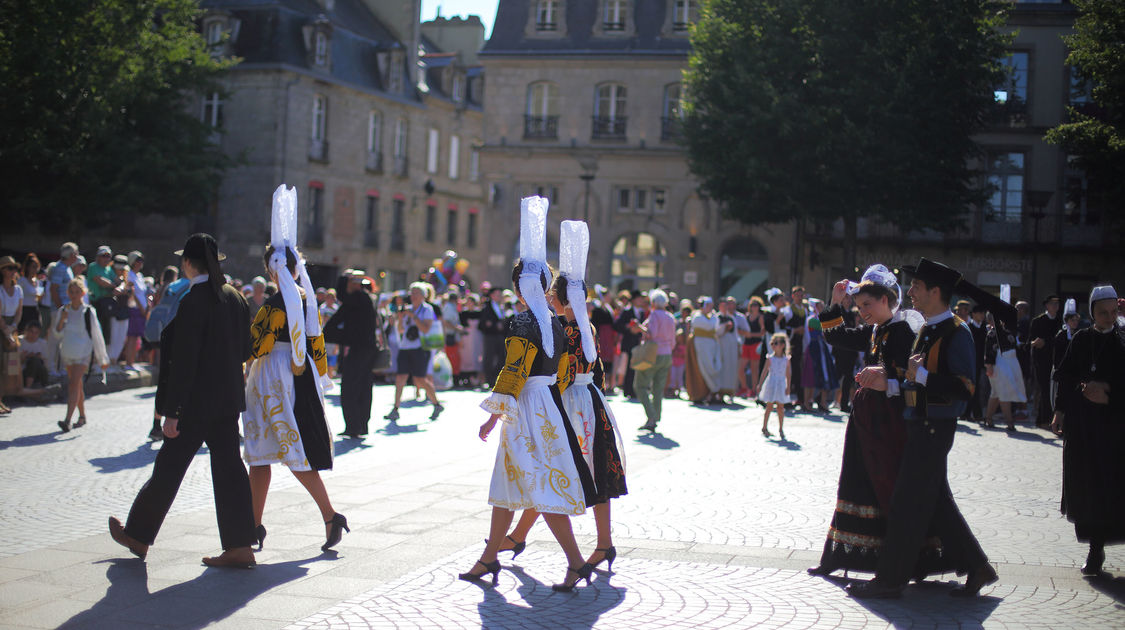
x=260 y=534
x=583 y=572
x=821 y=570
x=339 y=526
x=608 y=555
x=489 y=567
x=517 y=547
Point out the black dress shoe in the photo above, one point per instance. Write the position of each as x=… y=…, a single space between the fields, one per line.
x=1094 y=561
x=978 y=578
x=874 y=590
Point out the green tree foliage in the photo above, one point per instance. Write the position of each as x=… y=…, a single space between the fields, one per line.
x=1096 y=134
x=822 y=109
x=99 y=110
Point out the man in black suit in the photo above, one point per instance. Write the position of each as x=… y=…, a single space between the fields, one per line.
x=979 y=328
x=494 y=326
x=200 y=393
x=628 y=324
x=355 y=325
x=1042 y=333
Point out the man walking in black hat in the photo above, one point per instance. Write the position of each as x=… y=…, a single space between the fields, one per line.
x=1043 y=330
x=939 y=384
x=201 y=394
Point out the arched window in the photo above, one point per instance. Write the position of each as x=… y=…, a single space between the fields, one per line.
x=744 y=268
x=637 y=262
x=609 y=111
x=542 y=117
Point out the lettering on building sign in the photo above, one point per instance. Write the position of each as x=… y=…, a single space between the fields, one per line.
x=961 y=263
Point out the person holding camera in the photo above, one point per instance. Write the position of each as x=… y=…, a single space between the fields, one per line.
x=413 y=323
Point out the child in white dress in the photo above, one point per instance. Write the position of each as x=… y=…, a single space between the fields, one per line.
x=773 y=384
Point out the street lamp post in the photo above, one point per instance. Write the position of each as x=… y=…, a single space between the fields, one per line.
x=1037 y=202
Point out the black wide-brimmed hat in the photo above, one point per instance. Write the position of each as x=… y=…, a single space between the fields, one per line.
x=198 y=245
x=934 y=274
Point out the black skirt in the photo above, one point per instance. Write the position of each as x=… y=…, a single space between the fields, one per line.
x=311 y=423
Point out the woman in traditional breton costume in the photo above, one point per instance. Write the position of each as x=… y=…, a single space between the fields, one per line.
x=819 y=367
x=599 y=439
x=1071 y=321
x=1090 y=413
x=704 y=363
x=539 y=462
x=876 y=433
x=284 y=421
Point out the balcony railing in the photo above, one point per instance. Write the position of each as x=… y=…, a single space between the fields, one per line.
x=680 y=27
x=671 y=128
x=402 y=166
x=540 y=126
x=546 y=26
x=318 y=150
x=606 y=128
x=374 y=162
x=613 y=26
x=1011 y=113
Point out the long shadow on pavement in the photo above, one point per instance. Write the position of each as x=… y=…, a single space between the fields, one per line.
x=36 y=440
x=347 y=445
x=1112 y=586
x=139 y=458
x=657 y=440
x=539 y=606
x=1028 y=436
x=930 y=599
x=394 y=428
x=212 y=596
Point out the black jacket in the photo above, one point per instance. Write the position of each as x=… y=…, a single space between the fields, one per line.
x=629 y=339
x=490 y=323
x=202 y=352
x=355 y=323
x=1045 y=328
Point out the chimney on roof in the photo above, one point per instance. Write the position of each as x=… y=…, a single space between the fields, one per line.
x=465 y=36
x=404 y=19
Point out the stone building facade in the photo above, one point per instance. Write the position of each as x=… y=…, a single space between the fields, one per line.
x=1043 y=231
x=582 y=107
x=374 y=123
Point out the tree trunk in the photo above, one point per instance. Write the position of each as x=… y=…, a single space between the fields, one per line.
x=849 y=253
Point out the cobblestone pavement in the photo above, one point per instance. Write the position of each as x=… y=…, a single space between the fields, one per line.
x=716 y=531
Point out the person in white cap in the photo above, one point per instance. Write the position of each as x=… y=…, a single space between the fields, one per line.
x=1089 y=415
x=1071 y=321
x=539 y=462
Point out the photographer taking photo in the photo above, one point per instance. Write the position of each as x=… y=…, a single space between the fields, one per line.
x=413 y=322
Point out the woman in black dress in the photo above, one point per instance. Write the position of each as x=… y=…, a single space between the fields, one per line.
x=876 y=434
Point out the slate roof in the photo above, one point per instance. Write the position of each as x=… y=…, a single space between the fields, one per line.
x=510 y=26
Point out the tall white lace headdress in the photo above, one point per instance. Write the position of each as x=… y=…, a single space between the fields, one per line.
x=574 y=245
x=283 y=236
x=533 y=253
x=879 y=274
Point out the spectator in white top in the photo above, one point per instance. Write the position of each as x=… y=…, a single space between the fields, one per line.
x=11 y=310
x=29 y=283
x=413 y=323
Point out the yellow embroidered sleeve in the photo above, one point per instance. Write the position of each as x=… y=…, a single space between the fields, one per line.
x=319 y=354
x=265 y=329
x=567 y=370
x=517 y=366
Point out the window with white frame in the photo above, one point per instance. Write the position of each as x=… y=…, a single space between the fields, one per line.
x=542 y=99
x=624 y=195
x=400 y=138
x=319 y=117
x=546 y=15
x=613 y=18
x=673 y=107
x=454 y=157
x=433 y=140
x=212 y=112
x=1006 y=179
x=610 y=103
x=640 y=199
x=374 y=132
x=457 y=93
x=474 y=164
x=320 y=56
x=681 y=14
x=214 y=32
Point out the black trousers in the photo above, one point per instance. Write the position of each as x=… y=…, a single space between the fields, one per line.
x=103 y=307
x=228 y=477
x=36 y=370
x=1042 y=373
x=355 y=388
x=493 y=359
x=922 y=505
x=630 y=373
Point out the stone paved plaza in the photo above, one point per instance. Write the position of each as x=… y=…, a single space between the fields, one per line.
x=716 y=532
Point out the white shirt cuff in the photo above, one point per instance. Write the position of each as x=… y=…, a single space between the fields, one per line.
x=893 y=388
x=921 y=376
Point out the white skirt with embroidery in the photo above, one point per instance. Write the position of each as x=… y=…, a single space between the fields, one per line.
x=580 y=411
x=1007 y=378
x=269 y=426
x=534 y=466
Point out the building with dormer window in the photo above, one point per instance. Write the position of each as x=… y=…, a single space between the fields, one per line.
x=350 y=101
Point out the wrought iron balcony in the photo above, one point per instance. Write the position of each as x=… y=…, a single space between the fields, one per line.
x=607 y=128
x=540 y=126
x=318 y=150
x=546 y=26
x=374 y=162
